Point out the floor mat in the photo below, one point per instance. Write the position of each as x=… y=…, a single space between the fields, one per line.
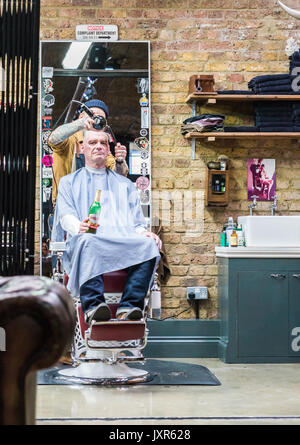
x=161 y=373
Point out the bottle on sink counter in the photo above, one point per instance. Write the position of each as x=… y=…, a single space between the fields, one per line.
x=223 y=237
x=233 y=239
x=229 y=229
x=240 y=236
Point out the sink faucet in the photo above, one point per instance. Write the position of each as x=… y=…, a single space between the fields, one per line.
x=274 y=207
x=253 y=205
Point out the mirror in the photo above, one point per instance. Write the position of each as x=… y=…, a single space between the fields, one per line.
x=116 y=73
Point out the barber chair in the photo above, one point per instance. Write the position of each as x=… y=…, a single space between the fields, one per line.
x=101 y=350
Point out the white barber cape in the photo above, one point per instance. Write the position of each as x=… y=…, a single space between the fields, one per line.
x=117 y=243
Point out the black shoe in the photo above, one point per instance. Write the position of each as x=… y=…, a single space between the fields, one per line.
x=100 y=313
x=133 y=314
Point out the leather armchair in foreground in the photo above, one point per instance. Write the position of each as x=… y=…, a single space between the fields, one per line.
x=37 y=322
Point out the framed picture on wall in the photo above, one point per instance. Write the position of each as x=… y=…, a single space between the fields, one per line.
x=261 y=179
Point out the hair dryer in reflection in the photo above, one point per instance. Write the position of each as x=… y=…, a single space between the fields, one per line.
x=100 y=123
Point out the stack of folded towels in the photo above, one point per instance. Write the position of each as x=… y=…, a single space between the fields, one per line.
x=203 y=123
x=272 y=84
x=235 y=92
x=274 y=116
x=277 y=116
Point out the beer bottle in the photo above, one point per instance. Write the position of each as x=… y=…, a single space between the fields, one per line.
x=94 y=213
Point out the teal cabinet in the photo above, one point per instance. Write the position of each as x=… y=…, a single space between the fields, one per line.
x=259 y=310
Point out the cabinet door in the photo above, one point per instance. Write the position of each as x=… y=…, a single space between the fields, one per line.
x=294 y=314
x=262 y=314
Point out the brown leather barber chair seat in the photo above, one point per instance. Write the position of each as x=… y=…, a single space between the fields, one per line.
x=37 y=320
x=113 y=330
x=107 y=343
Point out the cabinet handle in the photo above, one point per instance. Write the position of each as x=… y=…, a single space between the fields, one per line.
x=278 y=276
x=296 y=275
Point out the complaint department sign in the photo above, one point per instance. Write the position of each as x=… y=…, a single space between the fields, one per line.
x=97 y=33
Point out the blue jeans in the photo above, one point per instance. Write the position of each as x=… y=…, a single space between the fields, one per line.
x=135 y=291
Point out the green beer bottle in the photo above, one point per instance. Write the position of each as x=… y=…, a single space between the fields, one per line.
x=94 y=213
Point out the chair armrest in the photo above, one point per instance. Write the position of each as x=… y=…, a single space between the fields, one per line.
x=38 y=318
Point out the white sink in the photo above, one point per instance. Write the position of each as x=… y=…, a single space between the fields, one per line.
x=271 y=231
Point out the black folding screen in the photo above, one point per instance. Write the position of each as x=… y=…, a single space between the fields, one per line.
x=19 y=43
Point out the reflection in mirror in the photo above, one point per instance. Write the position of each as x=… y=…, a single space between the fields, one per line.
x=75 y=73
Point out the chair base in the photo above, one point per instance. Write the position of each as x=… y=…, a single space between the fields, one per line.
x=99 y=373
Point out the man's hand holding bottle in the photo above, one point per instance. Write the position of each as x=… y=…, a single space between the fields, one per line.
x=84 y=225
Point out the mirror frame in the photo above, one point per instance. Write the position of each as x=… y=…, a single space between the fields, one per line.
x=42 y=42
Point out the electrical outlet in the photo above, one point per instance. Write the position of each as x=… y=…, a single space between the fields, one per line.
x=196 y=293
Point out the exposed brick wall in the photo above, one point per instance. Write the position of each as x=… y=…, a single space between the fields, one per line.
x=233 y=39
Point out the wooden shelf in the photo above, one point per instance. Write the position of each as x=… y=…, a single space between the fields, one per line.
x=213 y=98
x=210 y=99
x=212 y=136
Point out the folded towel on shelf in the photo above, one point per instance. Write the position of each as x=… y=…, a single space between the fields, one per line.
x=267 y=78
x=235 y=92
x=199 y=128
x=270 y=83
x=274 y=106
x=261 y=112
x=273 y=89
x=268 y=118
x=276 y=129
x=215 y=128
x=204 y=116
x=273 y=109
x=278 y=93
x=281 y=89
x=273 y=123
x=209 y=122
x=274 y=116
x=274 y=84
x=203 y=123
x=241 y=129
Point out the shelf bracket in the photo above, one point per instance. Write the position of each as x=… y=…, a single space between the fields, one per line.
x=193 y=149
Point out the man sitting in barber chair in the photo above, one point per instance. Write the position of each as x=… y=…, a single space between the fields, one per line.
x=121 y=241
